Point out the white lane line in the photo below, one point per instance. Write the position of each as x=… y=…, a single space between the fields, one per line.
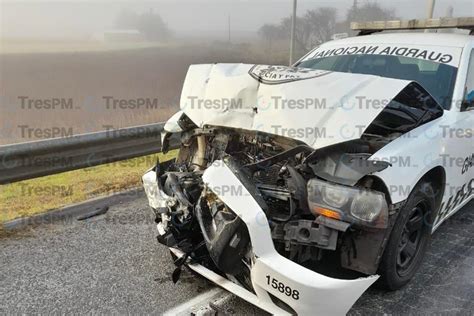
x=194 y=303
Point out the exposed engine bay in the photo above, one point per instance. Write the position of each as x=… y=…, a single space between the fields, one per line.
x=299 y=189
x=279 y=170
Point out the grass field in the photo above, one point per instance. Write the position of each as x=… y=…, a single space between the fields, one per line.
x=85 y=74
x=12 y=46
x=87 y=78
x=39 y=195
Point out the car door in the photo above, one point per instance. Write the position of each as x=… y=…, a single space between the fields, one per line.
x=467 y=109
x=459 y=145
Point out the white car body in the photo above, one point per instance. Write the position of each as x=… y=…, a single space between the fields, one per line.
x=445 y=142
x=429 y=146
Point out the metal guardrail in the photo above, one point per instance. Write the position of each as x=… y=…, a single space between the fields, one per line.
x=40 y=158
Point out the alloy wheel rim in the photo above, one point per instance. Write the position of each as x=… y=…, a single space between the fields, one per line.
x=410 y=240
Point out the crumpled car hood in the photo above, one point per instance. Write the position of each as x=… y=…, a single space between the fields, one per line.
x=319 y=108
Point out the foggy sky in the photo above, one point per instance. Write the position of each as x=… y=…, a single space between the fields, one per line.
x=71 y=19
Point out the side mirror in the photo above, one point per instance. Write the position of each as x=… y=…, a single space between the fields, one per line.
x=468 y=103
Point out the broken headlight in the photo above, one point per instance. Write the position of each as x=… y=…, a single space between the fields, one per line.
x=349 y=204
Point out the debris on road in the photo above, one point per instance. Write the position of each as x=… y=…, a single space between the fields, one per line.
x=98 y=211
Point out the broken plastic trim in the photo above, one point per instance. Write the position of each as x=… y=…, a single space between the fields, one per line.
x=312 y=289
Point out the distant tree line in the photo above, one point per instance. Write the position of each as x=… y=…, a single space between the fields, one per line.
x=149 y=24
x=318 y=26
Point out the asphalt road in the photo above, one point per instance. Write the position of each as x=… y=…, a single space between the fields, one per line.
x=112 y=264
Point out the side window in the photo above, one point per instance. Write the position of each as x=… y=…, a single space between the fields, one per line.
x=468 y=101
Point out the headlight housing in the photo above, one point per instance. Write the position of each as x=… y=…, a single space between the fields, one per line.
x=350 y=204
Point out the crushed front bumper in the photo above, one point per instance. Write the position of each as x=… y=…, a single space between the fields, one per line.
x=304 y=291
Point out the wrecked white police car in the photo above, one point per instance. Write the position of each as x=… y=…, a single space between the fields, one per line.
x=296 y=187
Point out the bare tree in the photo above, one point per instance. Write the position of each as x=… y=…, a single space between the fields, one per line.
x=302 y=33
x=370 y=11
x=153 y=27
x=126 y=19
x=150 y=24
x=315 y=27
x=270 y=33
x=322 y=23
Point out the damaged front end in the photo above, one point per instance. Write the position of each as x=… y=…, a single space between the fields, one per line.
x=280 y=223
x=248 y=206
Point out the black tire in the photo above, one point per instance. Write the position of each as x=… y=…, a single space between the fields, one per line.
x=409 y=240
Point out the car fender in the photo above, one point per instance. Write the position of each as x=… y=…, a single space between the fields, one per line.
x=411 y=156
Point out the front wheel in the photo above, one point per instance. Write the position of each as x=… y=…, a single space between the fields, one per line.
x=409 y=239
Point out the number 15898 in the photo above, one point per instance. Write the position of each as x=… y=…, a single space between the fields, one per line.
x=285 y=289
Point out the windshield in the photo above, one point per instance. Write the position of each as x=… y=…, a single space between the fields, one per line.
x=437 y=78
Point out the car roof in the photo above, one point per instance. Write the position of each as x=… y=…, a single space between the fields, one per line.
x=434 y=39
